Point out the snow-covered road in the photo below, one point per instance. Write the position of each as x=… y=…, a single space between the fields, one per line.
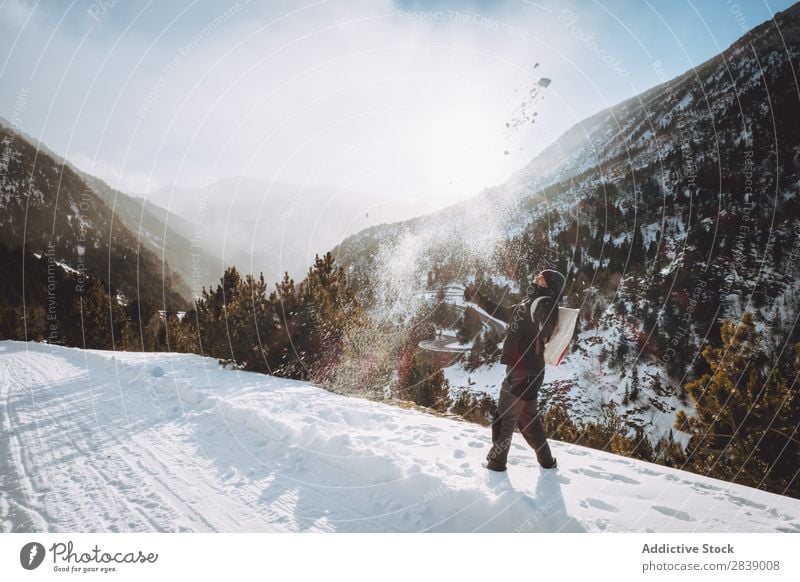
x=98 y=441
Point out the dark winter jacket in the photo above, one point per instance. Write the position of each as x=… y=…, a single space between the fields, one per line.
x=526 y=335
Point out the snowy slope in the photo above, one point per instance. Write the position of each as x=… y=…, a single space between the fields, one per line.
x=103 y=441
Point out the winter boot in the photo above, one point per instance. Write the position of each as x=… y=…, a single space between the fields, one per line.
x=491 y=467
x=553 y=466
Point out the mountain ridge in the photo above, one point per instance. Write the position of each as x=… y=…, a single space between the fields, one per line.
x=669 y=216
x=57 y=208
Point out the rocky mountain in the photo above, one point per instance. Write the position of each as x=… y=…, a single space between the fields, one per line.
x=669 y=212
x=49 y=208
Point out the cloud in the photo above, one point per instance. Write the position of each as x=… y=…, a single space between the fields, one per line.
x=358 y=94
x=122 y=179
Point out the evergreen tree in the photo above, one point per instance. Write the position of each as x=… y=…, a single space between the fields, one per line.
x=669 y=452
x=634 y=385
x=491 y=352
x=30 y=323
x=479 y=409
x=330 y=310
x=443 y=313
x=96 y=320
x=154 y=334
x=559 y=425
x=469 y=325
x=422 y=381
x=475 y=354
x=656 y=385
x=746 y=415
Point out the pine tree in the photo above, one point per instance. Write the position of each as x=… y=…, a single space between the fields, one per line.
x=669 y=452
x=634 y=385
x=620 y=352
x=475 y=408
x=154 y=334
x=491 y=353
x=329 y=310
x=212 y=313
x=422 y=381
x=96 y=320
x=475 y=354
x=559 y=425
x=469 y=325
x=746 y=414
x=656 y=385
x=31 y=324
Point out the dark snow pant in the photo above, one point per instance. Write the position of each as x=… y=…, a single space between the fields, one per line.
x=517 y=407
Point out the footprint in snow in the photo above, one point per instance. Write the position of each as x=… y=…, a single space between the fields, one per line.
x=475 y=444
x=599 y=504
x=607 y=476
x=682 y=515
x=459 y=454
x=775 y=513
x=430 y=428
x=742 y=501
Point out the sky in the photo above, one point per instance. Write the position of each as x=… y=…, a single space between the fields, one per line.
x=406 y=98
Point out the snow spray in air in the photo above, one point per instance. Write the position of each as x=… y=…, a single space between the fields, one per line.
x=456 y=242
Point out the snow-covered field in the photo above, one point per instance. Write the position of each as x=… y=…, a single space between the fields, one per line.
x=100 y=441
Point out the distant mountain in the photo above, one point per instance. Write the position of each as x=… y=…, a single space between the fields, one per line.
x=273 y=227
x=44 y=201
x=669 y=212
x=169 y=236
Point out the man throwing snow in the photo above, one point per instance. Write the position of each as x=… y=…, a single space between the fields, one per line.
x=530 y=325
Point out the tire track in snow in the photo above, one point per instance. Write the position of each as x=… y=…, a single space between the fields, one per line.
x=87 y=489
x=205 y=449
x=16 y=508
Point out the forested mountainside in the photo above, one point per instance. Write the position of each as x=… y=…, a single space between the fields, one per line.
x=178 y=240
x=670 y=213
x=674 y=216
x=49 y=212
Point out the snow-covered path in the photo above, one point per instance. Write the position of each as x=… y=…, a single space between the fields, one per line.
x=101 y=441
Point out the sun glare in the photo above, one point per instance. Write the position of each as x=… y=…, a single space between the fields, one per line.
x=466 y=152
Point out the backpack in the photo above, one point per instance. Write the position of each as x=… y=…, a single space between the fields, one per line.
x=556 y=346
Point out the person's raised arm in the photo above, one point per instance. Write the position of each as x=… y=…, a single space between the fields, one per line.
x=501 y=312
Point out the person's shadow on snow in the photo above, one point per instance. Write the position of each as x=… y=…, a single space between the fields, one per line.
x=550 y=500
x=545 y=511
